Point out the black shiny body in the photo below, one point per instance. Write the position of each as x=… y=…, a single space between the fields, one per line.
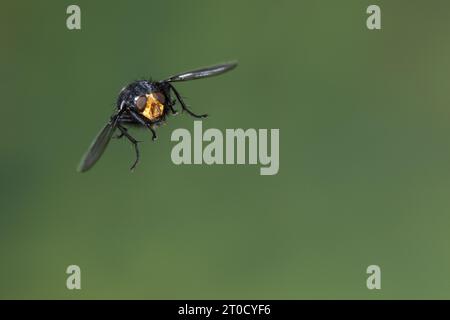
x=134 y=89
x=134 y=103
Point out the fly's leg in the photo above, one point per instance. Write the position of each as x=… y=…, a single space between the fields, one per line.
x=134 y=142
x=183 y=105
x=170 y=102
x=120 y=136
x=174 y=112
x=141 y=121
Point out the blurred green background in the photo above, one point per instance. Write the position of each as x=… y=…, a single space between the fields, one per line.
x=364 y=119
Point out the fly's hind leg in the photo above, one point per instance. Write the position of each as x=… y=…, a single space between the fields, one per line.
x=134 y=142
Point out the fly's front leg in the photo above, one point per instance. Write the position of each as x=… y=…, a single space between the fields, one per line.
x=138 y=118
x=174 y=112
x=183 y=105
x=170 y=103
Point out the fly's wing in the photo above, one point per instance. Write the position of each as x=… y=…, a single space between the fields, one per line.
x=203 y=72
x=97 y=147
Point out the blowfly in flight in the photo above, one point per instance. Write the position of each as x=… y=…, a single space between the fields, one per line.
x=147 y=104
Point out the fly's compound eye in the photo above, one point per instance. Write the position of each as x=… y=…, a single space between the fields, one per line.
x=141 y=103
x=160 y=97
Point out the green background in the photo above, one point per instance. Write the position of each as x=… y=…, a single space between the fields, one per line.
x=364 y=176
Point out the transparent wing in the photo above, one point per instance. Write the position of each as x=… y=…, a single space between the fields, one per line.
x=203 y=72
x=97 y=147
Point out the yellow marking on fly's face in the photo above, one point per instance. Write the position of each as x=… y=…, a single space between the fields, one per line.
x=154 y=108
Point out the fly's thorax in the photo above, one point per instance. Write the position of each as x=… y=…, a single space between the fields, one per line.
x=133 y=90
